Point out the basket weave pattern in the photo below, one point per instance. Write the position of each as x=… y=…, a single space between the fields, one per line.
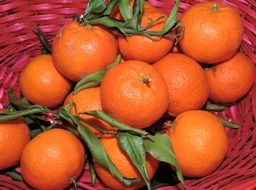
x=19 y=43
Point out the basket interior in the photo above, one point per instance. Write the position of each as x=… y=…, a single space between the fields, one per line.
x=19 y=43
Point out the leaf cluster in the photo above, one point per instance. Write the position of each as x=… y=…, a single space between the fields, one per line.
x=99 y=12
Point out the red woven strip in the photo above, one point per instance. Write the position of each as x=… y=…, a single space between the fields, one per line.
x=10 y=184
x=19 y=44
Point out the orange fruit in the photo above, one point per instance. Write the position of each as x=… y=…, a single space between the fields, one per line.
x=199 y=141
x=230 y=80
x=186 y=81
x=88 y=100
x=14 y=135
x=42 y=84
x=51 y=159
x=142 y=48
x=212 y=32
x=124 y=165
x=79 y=50
x=135 y=93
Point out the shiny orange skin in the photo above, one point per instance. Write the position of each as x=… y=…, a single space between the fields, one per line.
x=211 y=36
x=129 y=99
x=186 y=81
x=199 y=141
x=79 y=50
x=41 y=83
x=51 y=159
x=231 y=80
x=88 y=100
x=124 y=165
x=14 y=135
x=138 y=47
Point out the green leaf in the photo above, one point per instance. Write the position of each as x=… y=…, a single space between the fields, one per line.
x=134 y=147
x=99 y=154
x=125 y=9
x=106 y=21
x=14 y=175
x=214 y=107
x=138 y=8
x=43 y=39
x=110 y=7
x=152 y=23
x=90 y=80
x=92 y=171
x=116 y=62
x=35 y=132
x=172 y=18
x=93 y=143
x=20 y=103
x=160 y=148
x=229 y=124
x=94 y=6
x=64 y=113
x=12 y=115
x=115 y=123
x=94 y=79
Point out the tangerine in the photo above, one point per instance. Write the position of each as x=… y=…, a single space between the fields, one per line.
x=199 y=141
x=212 y=32
x=51 y=159
x=14 y=135
x=135 y=93
x=42 y=84
x=186 y=81
x=230 y=80
x=143 y=48
x=79 y=50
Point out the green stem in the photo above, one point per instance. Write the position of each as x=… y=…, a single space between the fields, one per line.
x=229 y=124
x=215 y=7
x=103 y=116
x=73 y=181
x=214 y=107
x=146 y=80
x=148 y=26
x=43 y=39
x=8 y=116
x=111 y=132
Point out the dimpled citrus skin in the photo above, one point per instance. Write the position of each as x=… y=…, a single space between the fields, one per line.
x=124 y=165
x=51 y=159
x=211 y=36
x=232 y=79
x=127 y=98
x=186 y=82
x=79 y=50
x=14 y=135
x=199 y=141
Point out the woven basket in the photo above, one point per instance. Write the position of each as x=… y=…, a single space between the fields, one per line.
x=18 y=44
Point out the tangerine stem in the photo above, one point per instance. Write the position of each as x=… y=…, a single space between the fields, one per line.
x=111 y=132
x=146 y=80
x=215 y=7
x=229 y=124
x=74 y=183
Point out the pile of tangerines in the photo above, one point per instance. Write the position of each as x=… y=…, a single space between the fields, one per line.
x=110 y=76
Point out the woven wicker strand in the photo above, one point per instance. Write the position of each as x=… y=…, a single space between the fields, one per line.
x=19 y=43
